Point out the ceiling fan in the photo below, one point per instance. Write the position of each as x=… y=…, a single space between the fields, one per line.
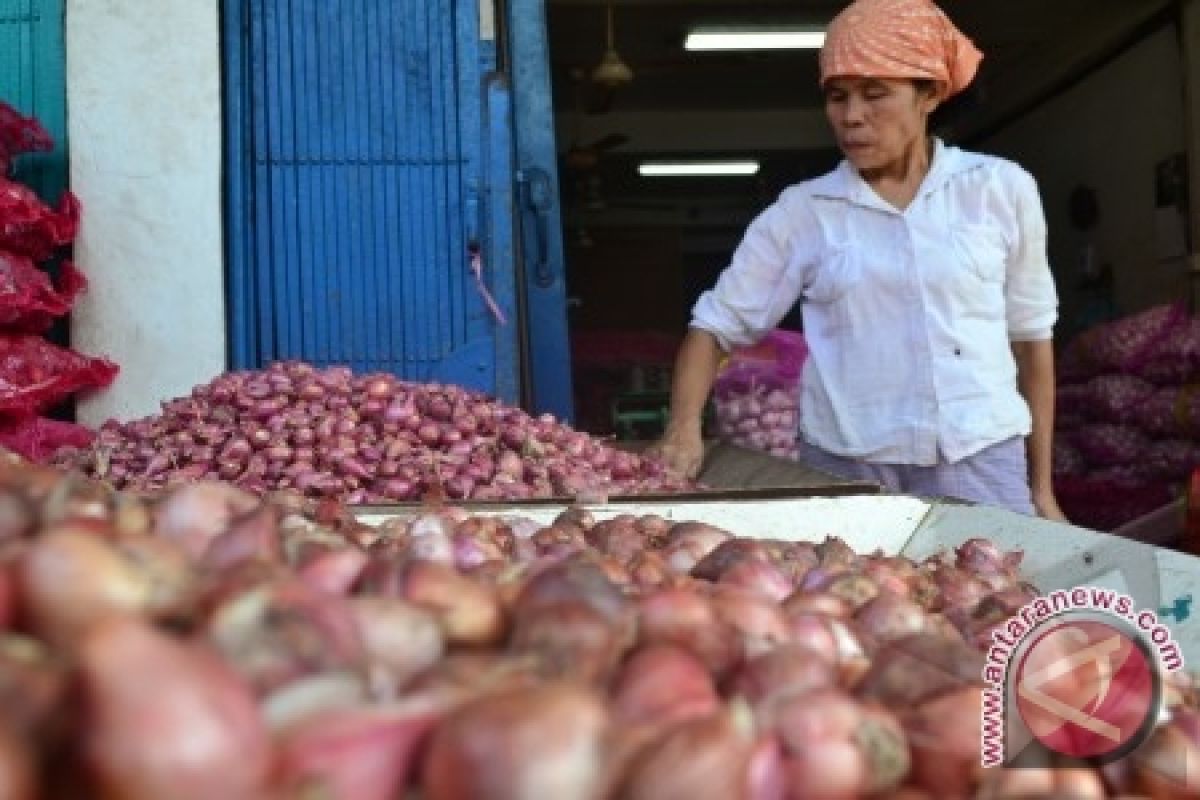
x=612 y=72
x=596 y=87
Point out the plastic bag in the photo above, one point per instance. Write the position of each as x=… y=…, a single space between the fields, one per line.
x=29 y=302
x=20 y=134
x=31 y=228
x=757 y=395
x=39 y=439
x=36 y=375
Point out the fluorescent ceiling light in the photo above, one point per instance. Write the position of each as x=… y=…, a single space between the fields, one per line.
x=755 y=40
x=697 y=168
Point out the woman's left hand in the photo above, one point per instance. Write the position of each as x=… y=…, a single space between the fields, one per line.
x=1046 y=506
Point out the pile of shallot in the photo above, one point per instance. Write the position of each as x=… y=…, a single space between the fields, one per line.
x=210 y=643
x=362 y=439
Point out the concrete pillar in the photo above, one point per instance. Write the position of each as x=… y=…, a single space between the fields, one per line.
x=144 y=108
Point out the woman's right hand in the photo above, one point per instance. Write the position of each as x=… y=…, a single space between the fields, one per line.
x=682 y=450
x=682 y=444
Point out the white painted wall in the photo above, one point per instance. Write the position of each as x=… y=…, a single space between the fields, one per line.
x=1108 y=132
x=144 y=107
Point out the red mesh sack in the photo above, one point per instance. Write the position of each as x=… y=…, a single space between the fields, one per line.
x=1115 y=398
x=1124 y=475
x=1124 y=345
x=1066 y=458
x=1104 y=505
x=1172 y=411
x=1178 y=359
x=36 y=375
x=1105 y=445
x=757 y=395
x=1072 y=403
x=31 y=228
x=1172 y=459
x=29 y=302
x=1073 y=365
x=20 y=134
x=39 y=439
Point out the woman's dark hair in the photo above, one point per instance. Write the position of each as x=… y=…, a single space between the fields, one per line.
x=925 y=85
x=967 y=102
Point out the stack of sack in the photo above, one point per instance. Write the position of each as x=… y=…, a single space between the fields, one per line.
x=37 y=376
x=1127 y=432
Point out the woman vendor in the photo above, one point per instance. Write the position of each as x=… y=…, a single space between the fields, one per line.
x=927 y=300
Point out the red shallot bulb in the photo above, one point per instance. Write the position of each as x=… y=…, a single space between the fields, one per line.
x=191 y=732
x=539 y=742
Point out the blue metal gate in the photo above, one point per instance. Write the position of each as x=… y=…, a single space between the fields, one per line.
x=33 y=79
x=541 y=279
x=369 y=151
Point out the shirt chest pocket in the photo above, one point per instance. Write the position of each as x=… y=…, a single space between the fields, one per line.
x=829 y=296
x=837 y=272
x=983 y=249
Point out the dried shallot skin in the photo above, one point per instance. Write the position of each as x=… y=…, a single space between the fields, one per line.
x=462 y=653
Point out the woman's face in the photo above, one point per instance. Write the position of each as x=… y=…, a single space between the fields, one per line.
x=877 y=121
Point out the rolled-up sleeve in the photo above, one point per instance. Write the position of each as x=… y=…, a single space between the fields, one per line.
x=1031 y=301
x=753 y=293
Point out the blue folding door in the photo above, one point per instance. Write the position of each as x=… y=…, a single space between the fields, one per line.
x=369 y=156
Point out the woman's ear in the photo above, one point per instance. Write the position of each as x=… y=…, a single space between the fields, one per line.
x=929 y=97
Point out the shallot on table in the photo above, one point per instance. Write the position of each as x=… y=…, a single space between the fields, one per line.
x=365 y=438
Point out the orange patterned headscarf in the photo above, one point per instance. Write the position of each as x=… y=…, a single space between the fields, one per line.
x=899 y=39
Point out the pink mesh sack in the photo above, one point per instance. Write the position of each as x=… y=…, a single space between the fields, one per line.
x=1104 y=505
x=1104 y=445
x=1171 y=411
x=1172 y=459
x=1067 y=458
x=1178 y=360
x=1115 y=398
x=757 y=395
x=1072 y=401
x=1124 y=475
x=1121 y=346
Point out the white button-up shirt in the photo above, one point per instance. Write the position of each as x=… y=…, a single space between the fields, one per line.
x=908 y=315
